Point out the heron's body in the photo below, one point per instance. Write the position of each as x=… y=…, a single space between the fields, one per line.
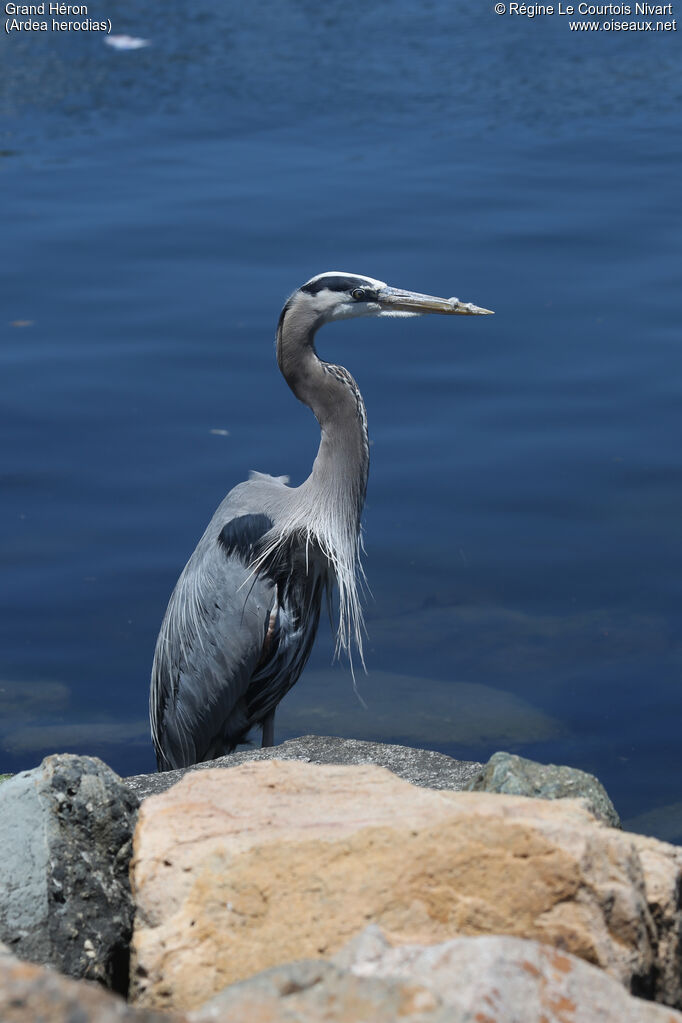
x=243 y=616
x=274 y=612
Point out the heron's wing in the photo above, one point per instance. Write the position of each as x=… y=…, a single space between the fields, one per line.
x=210 y=643
x=301 y=582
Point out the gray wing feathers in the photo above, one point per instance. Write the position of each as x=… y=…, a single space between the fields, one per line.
x=210 y=642
x=222 y=663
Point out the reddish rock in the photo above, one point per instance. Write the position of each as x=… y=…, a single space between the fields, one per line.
x=497 y=979
x=33 y=994
x=467 y=980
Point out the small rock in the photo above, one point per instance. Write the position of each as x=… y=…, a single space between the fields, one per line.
x=32 y=994
x=516 y=776
x=64 y=888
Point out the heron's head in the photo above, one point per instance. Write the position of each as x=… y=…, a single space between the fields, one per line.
x=338 y=296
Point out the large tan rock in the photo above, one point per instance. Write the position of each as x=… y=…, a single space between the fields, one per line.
x=237 y=871
x=489 y=979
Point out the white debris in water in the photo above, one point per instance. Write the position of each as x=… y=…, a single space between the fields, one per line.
x=126 y=42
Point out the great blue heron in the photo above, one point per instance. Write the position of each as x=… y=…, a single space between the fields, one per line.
x=243 y=616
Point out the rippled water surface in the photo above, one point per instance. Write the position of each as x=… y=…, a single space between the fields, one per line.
x=523 y=515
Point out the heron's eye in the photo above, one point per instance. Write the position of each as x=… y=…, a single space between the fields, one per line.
x=358 y=294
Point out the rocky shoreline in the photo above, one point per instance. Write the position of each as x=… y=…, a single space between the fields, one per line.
x=332 y=879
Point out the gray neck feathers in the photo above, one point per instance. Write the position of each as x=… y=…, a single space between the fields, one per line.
x=328 y=505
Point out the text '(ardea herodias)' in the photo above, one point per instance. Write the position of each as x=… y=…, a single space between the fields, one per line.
x=243 y=616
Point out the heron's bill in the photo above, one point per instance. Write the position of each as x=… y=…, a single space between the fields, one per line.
x=412 y=301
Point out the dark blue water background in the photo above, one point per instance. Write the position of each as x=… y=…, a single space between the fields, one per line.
x=523 y=515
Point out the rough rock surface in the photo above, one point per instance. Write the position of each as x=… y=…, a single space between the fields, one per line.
x=467 y=980
x=37 y=994
x=275 y=861
x=312 y=991
x=419 y=766
x=662 y=866
x=516 y=776
x=504 y=980
x=64 y=889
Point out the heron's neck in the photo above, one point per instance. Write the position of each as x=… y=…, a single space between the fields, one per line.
x=329 y=503
x=340 y=470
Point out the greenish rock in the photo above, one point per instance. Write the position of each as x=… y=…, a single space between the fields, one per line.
x=516 y=776
x=4 y=777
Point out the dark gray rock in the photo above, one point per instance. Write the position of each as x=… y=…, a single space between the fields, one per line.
x=64 y=891
x=421 y=767
x=515 y=776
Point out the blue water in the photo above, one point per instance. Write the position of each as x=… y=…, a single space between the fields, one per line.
x=523 y=515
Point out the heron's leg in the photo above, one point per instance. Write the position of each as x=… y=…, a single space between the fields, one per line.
x=268 y=730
